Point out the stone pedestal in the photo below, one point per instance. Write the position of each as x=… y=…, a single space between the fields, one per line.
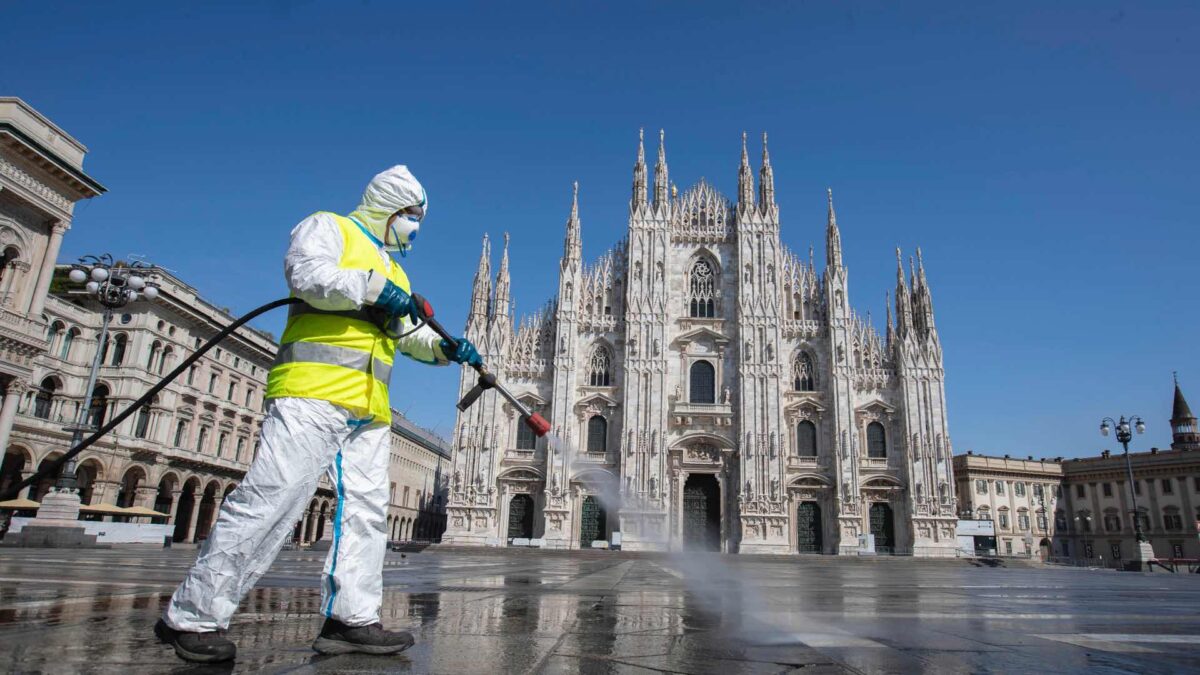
x=1143 y=553
x=56 y=525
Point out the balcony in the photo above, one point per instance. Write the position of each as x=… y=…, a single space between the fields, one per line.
x=684 y=413
x=797 y=462
x=21 y=339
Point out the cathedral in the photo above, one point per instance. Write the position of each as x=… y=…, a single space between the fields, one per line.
x=708 y=389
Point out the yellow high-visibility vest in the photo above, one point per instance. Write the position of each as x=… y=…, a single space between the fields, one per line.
x=341 y=357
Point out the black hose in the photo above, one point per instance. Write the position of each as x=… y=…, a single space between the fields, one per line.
x=53 y=467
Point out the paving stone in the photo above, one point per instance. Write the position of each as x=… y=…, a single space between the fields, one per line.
x=494 y=612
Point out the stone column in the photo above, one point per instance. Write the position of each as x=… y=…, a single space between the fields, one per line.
x=175 y=494
x=197 y=497
x=25 y=474
x=16 y=389
x=105 y=491
x=304 y=526
x=145 y=496
x=37 y=299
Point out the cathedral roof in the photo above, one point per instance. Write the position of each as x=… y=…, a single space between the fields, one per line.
x=701 y=193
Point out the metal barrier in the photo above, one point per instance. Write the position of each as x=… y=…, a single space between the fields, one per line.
x=1175 y=565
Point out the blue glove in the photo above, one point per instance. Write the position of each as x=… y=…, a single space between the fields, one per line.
x=466 y=352
x=393 y=300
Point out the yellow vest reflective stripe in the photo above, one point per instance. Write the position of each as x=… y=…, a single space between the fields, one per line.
x=316 y=352
x=342 y=357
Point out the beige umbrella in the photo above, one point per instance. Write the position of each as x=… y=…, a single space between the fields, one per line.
x=143 y=511
x=104 y=509
x=21 y=504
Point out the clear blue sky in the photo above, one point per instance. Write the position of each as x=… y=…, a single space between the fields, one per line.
x=1045 y=159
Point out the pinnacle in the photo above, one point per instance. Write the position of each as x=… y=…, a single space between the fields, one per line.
x=1180 y=410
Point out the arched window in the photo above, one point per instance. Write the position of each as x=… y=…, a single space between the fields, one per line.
x=703 y=383
x=154 y=350
x=597 y=434
x=180 y=430
x=167 y=356
x=68 y=340
x=876 y=440
x=44 y=399
x=52 y=333
x=804 y=373
x=119 y=343
x=202 y=439
x=8 y=260
x=702 y=290
x=806 y=439
x=599 y=367
x=526 y=439
x=102 y=343
x=99 y=406
x=143 y=422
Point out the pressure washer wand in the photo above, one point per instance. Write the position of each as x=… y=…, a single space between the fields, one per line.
x=487 y=380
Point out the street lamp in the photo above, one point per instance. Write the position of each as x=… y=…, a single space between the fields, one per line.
x=1085 y=520
x=1123 y=437
x=113 y=284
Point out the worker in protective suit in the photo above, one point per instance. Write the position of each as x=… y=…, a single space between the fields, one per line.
x=327 y=412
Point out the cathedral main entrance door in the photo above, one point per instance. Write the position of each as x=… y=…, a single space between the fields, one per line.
x=520 y=517
x=702 y=513
x=592 y=522
x=882 y=527
x=808 y=527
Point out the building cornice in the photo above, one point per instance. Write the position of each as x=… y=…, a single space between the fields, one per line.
x=82 y=184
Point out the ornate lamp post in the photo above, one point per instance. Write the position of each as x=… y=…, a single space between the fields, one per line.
x=1085 y=527
x=1145 y=551
x=113 y=285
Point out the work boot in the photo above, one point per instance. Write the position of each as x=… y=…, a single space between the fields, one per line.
x=338 y=638
x=208 y=647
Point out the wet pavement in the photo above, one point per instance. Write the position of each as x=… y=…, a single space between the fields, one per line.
x=601 y=612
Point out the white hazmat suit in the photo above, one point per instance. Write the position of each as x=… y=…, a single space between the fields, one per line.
x=302 y=438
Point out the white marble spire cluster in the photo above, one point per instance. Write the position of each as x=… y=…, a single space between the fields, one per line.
x=707 y=387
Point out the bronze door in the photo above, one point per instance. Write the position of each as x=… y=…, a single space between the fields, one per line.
x=702 y=513
x=520 y=517
x=592 y=523
x=882 y=527
x=808 y=527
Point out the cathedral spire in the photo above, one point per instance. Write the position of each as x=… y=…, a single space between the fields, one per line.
x=1184 y=434
x=745 y=179
x=891 y=328
x=833 y=238
x=903 y=306
x=502 y=306
x=481 y=293
x=639 y=173
x=766 y=178
x=573 y=242
x=924 y=297
x=661 y=181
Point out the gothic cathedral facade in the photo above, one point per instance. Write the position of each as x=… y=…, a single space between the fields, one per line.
x=707 y=390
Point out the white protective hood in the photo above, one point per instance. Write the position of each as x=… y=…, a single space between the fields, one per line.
x=387 y=193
